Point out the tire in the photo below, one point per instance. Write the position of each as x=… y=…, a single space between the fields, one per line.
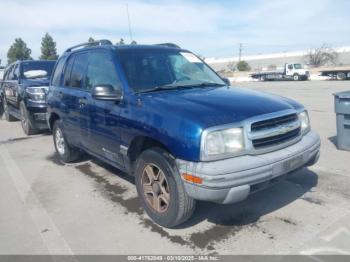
x=1 y=108
x=296 y=77
x=66 y=152
x=27 y=121
x=8 y=116
x=341 y=76
x=180 y=206
x=263 y=78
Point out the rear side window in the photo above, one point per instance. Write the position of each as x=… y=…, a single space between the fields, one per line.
x=56 y=78
x=67 y=71
x=101 y=70
x=16 y=72
x=78 y=70
x=9 y=75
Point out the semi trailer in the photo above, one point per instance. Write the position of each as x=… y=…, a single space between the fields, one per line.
x=339 y=73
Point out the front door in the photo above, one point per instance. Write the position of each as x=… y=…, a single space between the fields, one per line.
x=101 y=117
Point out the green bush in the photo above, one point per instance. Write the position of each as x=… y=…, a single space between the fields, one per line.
x=243 y=66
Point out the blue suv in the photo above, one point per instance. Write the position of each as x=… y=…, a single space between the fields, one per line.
x=164 y=116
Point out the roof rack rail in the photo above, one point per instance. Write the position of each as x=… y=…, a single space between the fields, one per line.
x=94 y=43
x=169 y=45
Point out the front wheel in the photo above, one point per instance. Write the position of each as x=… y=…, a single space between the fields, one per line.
x=26 y=121
x=161 y=190
x=66 y=152
x=296 y=77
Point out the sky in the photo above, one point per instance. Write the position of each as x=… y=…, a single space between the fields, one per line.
x=208 y=28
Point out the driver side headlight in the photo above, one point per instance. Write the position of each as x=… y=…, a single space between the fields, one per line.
x=219 y=143
x=304 y=122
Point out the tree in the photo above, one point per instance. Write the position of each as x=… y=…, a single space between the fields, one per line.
x=18 y=51
x=321 y=56
x=91 y=40
x=121 y=42
x=48 y=48
x=133 y=42
x=243 y=66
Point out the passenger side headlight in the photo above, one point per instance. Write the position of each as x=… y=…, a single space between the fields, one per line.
x=304 y=121
x=36 y=94
x=222 y=142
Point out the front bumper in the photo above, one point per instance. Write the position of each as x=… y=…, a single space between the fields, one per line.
x=232 y=180
x=38 y=114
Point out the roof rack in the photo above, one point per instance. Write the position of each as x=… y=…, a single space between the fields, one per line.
x=94 y=43
x=169 y=45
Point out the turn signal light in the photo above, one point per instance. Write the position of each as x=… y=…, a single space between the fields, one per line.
x=192 y=179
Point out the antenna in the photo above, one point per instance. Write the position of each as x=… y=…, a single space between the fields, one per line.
x=129 y=23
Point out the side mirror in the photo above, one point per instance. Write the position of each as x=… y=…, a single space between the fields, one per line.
x=106 y=92
x=226 y=80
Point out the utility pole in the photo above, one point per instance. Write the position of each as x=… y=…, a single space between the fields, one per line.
x=129 y=23
x=240 y=52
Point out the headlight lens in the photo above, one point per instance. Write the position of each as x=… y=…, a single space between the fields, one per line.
x=36 y=94
x=305 y=122
x=227 y=141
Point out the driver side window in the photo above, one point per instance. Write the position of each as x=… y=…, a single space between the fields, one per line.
x=101 y=70
x=290 y=67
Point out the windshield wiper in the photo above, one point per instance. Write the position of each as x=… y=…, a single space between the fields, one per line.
x=208 y=84
x=179 y=86
x=162 y=87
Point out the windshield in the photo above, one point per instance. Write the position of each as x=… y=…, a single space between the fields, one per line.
x=150 y=69
x=34 y=70
x=298 y=66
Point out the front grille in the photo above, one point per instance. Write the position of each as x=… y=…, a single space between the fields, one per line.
x=265 y=135
x=276 y=140
x=274 y=122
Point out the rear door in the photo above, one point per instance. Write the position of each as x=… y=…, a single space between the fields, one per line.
x=100 y=118
x=71 y=95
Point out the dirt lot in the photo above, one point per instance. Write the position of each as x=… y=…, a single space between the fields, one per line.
x=92 y=208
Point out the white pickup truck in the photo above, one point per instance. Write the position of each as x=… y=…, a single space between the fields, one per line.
x=294 y=72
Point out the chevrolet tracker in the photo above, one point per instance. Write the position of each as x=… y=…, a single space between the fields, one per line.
x=161 y=114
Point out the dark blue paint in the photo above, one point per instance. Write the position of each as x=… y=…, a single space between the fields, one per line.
x=175 y=118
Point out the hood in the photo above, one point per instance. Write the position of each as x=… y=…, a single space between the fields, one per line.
x=36 y=82
x=214 y=106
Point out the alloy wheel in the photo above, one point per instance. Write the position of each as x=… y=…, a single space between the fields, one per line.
x=59 y=139
x=155 y=188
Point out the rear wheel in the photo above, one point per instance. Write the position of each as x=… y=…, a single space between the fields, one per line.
x=341 y=76
x=161 y=190
x=7 y=114
x=26 y=121
x=66 y=152
x=296 y=77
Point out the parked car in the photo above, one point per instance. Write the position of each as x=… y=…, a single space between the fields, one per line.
x=23 y=93
x=164 y=116
x=294 y=72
